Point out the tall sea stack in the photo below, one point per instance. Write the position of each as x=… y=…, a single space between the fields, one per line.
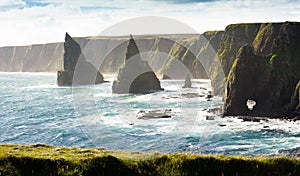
x=135 y=75
x=187 y=82
x=76 y=70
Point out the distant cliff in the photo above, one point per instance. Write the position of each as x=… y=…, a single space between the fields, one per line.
x=33 y=58
x=170 y=54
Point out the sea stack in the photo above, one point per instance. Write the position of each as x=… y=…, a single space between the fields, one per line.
x=187 y=82
x=76 y=70
x=135 y=75
x=267 y=72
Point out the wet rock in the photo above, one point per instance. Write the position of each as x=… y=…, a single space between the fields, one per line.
x=253 y=119
x=296 y=118
x=184 y=95
x=216 y=110
x=76 y=69
x=155 y=114
x=209 y=95
x=166 y=76
x=135 y=75
x=294 y=106
x=191 y=95
x=172 y=97
x=210 y=118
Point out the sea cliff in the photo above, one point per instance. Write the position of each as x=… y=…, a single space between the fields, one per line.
x=266 y=71
x=252 y=61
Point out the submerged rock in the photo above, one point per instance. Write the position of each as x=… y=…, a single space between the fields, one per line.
x=187 y=82
x=210 y=117
x=76 y=69
x=184 y=95
x=135 y=75
x=253 y=119
x=155 y=114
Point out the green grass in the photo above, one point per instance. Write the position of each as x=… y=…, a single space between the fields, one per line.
x=41 y=159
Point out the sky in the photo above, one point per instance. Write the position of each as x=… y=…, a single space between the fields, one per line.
x=25 y=22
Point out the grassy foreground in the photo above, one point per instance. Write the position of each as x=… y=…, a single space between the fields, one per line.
x=42 y=159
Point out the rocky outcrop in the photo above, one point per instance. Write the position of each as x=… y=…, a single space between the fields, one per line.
x=135 y=75
x=234 y=37
x=266 y=71
x=187 y=82
x=294 y=107
x=76 y=69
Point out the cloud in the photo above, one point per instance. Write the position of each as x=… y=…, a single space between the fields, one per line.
x=33 y=3
x=48 y=21
x=189 y=1
x=11 y=4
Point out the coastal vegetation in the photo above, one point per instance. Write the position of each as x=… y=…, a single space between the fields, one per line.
x=40 y=159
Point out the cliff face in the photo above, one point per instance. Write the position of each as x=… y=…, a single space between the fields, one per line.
x=163 y=52
x=294 y=107
x=34 y=58
x=266 y=71
x=234 y=37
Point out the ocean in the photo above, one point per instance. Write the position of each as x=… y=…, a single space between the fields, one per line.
x=33 y=109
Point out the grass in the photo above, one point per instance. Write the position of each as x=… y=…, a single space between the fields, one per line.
x=42 y=159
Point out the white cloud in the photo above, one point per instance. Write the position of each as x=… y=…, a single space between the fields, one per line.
x=11 y=4
x=49 y=23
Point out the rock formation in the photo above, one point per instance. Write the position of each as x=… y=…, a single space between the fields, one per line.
x=266 y=71
x=187 y=82
x=76 y=69
x=294 y=107
x=259 y=62
x=233 y=38
x=166 y=77
x=135 y=75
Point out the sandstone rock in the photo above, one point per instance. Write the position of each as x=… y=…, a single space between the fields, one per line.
x=135 y=75
x=76 y=69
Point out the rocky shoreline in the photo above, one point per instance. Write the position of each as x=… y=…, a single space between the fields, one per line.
x=250 y=61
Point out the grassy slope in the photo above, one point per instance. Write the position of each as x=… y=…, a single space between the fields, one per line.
x=48 y=160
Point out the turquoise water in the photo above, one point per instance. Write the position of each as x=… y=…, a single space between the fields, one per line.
x=34 y=110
